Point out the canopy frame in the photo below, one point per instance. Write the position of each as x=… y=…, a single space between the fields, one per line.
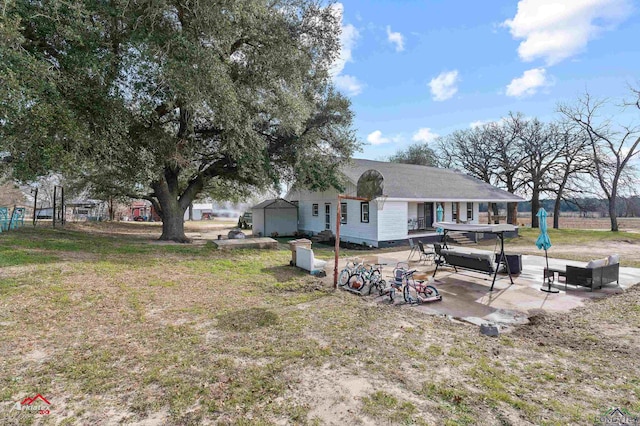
x=499 y=230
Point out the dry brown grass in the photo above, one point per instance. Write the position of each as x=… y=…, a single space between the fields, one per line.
x=117 y=330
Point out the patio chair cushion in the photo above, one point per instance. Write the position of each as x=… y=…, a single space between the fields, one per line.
x=597 y=263
x=614 y=259
x=475 y=260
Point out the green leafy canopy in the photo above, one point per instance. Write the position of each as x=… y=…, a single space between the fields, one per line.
x=170 y=99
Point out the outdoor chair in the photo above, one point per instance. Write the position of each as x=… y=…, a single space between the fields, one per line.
x=17 y=217
x=413 y=247
x=593 y=275
x=425 y=256
x=4 y=218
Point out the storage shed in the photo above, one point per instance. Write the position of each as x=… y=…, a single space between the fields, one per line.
x=275 y=216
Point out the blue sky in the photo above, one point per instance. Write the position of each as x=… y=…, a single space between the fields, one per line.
x=415 y=69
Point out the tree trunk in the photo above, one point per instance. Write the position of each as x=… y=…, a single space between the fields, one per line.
x=535 y=206
x=556 y=211
x=173 y=225
x=111 y=211
x=496 y=212
x=612 y=214
x=171 y=207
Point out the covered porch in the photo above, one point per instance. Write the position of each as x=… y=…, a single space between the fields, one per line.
x=422 y=214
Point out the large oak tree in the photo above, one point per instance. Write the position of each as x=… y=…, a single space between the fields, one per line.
x=171 y=99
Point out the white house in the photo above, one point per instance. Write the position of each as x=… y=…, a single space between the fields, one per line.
x=411 y=197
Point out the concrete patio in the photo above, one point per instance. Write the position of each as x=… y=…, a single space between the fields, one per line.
x=467 y=295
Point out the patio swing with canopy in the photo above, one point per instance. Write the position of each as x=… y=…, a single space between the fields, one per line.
x=476 y=262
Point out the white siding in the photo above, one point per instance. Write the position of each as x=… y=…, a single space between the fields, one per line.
x=448 y=212
x=476 y=212
x=353 y=231
x=356 y=231
x=257 y=219
x=306 y=221
x=282 y=221
x=392 y=221
x=413 y=212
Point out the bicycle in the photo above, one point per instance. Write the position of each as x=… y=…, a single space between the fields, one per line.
x=350 y=269
x=404 y=280
x=397 y=282
x=424 y=293
x=368 y=276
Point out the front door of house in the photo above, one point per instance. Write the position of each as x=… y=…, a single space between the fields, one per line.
x=425 y=215
x=327 y=216
x=428 y=215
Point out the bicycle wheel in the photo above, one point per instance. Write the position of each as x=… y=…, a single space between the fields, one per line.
x=343 y=278
x=429 y=291
x=381 y=286
x=406 y=293
x=356 y=282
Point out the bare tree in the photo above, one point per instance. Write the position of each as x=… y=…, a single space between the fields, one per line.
x=471 y=151
x=504 y=137
x=574 y=163
x=540 y=144
x=612 y=145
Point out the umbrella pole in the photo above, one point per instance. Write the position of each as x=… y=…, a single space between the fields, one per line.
x=549 y=289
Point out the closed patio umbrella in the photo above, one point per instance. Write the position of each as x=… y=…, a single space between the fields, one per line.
x=544 y=242
x=439 y=216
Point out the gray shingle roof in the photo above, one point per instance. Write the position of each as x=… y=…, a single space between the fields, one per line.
x=275 y=203
x=429 y=183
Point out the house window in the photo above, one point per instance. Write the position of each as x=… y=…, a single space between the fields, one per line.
x=364 y=212
x=469 y=211
x=314 y=210
x=327 y=216
x=454 y=211
x=343 y=213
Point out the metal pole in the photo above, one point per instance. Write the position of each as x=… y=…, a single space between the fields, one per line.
x=336 y=248
x=64 y=210
x=35 y=204
x=11 y=218
x=55 y=194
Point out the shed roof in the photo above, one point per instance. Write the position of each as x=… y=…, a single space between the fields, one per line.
x=275 y=203
x=410 y=181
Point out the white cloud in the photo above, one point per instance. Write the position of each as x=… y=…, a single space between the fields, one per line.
x=478 y=123
x=376 y=138
x=424 y=135
x=444 y=86
x=556 y=30
x=348 y=38
x=529 y=83
x=395 y=38
x=348 y=84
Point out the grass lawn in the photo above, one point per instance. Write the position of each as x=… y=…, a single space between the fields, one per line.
x=583 y=245
x=114 y=329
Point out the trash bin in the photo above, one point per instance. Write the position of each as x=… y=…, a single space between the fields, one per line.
x=303 y=242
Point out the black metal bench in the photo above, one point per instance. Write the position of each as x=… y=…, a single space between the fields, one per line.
x=476 y=262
